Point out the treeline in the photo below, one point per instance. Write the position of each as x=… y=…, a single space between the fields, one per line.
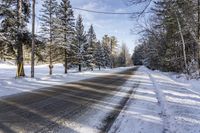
x=170 y=37
x=62 y=38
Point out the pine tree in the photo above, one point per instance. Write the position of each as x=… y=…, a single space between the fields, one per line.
x=113 y=45
x=80 y=41
x=107 y=50
x=14 y=18
x=90 y=47
x=99 y=55
x=65 y=28
x=49 y=8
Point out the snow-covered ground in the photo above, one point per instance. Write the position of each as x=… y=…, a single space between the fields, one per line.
x=161 y=103
x=10 y=85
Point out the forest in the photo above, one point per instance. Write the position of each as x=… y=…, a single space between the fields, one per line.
x=170 y=37
x=62 y=38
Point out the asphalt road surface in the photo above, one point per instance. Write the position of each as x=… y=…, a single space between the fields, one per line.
x=59 y=108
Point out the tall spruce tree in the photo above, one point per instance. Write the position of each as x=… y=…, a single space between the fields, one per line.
x=49 y=8
x=107 y=50
x=99 y=55
x=65 y=28
x=90 y=48
x=79 y=43
x=113 y=46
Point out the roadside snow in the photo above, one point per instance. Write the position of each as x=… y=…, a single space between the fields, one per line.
x=10 y=85
x=142 y=112
x=193 y=84
x=182 y=103
x=161 y=104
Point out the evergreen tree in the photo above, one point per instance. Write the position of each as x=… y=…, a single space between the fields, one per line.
x=113 y=45
x=6 y=39
x=107 y=50
x=99 y=55
x=90 y=48
x=48 y=27
x=6 y=51
x=14 y=17
x=65 y=28
x=80 y=41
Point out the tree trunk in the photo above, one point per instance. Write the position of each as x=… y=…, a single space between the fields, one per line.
x=50 y=61
x=194 y=35
x=79 y=67
x=124 y=57
x=20 y=64
x=198 y=35
x=99 y=68
x=66 y=56
x=33 y=40
x=50 y=49
x=66 y=61
x=111 y=54
x=113 y=62
x=183 y=43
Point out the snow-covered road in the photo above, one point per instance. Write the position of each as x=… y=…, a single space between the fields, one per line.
x=89 y=105
x=121 y=100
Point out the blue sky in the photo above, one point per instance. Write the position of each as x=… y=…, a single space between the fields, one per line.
x=116 y=25
x=113 y=25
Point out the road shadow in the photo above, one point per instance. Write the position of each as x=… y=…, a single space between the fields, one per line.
x=39 y=110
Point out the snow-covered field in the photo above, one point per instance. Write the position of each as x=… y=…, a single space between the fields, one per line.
x=10 y=85
x=161 y=103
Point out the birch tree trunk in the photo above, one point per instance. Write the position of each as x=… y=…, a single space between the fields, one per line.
x=183 y=43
